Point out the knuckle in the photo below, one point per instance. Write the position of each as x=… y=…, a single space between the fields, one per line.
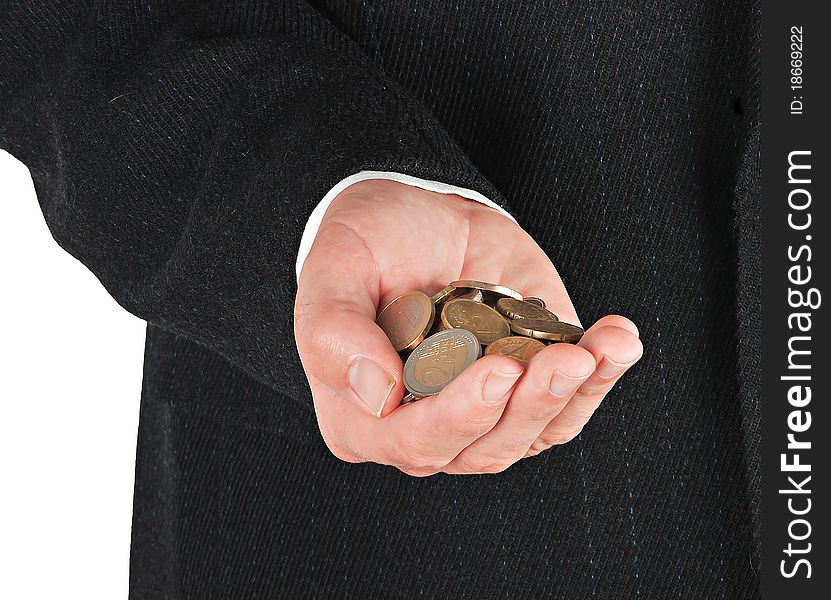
x=513 y=446
x=413 y=472
x=543 y=415
x=558 y=438
x=485 y=465
x=322 y=334
x=494 y=467
x=584 y=412
x=422 y=463
x=411 y=451
x=478 y=421
x=310 y=336
x=595 y=391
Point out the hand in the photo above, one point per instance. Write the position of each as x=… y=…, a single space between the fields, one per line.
x=380 y=239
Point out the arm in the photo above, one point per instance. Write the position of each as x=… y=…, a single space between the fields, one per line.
x=178 y=150
x=178 y=153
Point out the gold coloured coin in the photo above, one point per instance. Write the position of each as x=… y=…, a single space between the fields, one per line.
x=443 y=294
x=481 y=319
x=535 y=301
x=407 y=319
x=546 y=329
x=438 y=325
x=451 y=293
x=522 y=309
x=488 y=287
x=516 y=347
x=438 y=360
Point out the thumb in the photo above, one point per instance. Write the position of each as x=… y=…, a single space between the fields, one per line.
x=343 y=351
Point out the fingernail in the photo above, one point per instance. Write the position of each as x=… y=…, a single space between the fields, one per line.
x=371 y=383
x=497 y=385
x=608 y=369
x=562 y=385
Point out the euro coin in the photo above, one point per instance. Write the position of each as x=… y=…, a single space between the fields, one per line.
x=547 y=329
x=407 y=319
x=438 y=325
x=522 y=309
x=481 y=319
x=492 y=288
x=409 y=397
x=536 y=301
x=438 y=360
x=443 y=294
x=516 y=347
x=451 y=293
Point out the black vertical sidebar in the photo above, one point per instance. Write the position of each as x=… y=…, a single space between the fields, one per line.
x=796 y=229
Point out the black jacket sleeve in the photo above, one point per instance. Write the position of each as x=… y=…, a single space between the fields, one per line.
x=178 y=148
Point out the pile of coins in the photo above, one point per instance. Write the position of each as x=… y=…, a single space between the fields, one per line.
x=442 y=335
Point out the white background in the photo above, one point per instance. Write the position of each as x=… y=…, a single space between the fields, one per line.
x=70 y=379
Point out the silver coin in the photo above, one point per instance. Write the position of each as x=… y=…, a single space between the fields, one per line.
x=409 y=397
x=438 y=360
x=468 y=294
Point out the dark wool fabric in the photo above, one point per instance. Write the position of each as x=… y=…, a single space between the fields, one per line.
x=177 y=149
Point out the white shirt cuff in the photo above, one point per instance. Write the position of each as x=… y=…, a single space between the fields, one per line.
x=316 y=218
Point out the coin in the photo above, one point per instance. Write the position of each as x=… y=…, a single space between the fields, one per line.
x=451 y=293
x=438 y=325
x=438 y=360
x=409 y=397
x=487 y=287
x=546 y=329
x=481 y=319
x=407 y=319
x=522 y=309
x=516 y=347
x=443 y=294
x=536 y=301
x=468 y=294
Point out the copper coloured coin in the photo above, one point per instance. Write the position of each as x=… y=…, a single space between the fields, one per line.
x=481 y=319
x=499 y=290
x=438 y=325
x=535 y=301
x=451 y=293
x=516 y=347
x=438 y=360
x=443 y=294
x=547 y=329
x=407 y=319
x=522 y=309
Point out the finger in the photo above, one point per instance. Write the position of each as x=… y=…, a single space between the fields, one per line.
x=428 y=434
x=550 y=380
x=339 y=343
x=616 y=321
x=615 y=350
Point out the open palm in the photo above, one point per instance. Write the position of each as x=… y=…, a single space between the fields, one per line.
x=380 y=239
